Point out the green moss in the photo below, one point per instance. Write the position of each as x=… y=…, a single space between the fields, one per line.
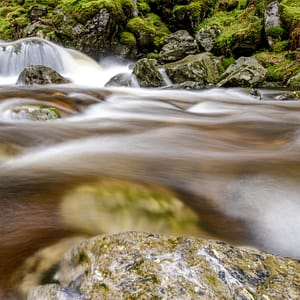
x=84 y=10
x=143 y=7
x=5 y=10
x=194 y=12
x=127 y=38
x=153 y=55
x=279 y=67
x=150 y=31
x=238 y=27
x=290 y=12
x=275 y=32
x=281 y=46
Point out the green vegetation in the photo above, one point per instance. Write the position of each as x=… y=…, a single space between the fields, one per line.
x=279 y=66
x=281 y=46
x=150 y=31
x=127 y=38
x=238 y=28
x=192 y=13
x=275 y=32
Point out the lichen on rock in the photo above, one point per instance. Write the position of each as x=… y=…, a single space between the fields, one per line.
x=140 y=265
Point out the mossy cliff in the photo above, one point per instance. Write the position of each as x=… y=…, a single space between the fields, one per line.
x=138 y=28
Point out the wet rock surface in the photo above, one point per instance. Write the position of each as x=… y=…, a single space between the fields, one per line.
x=140 y=265
x=147 y=73
x=200 y=68
x=39 y=74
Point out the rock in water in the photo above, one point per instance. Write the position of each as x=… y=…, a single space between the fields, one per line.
x=147 y=73
x=137 y=265
x=39 y=74
x=200 y=68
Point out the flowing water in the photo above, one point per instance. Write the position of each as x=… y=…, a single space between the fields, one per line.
x=233 y=159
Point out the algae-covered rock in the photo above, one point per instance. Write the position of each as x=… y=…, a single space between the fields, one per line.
x=137 y=265
x=147 y=73
x=177 y=46
x=38 y=74
x=246 y=71
x=201 y=68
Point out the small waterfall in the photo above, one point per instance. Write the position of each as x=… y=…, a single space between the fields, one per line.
x=166 y=79
x=16 y=55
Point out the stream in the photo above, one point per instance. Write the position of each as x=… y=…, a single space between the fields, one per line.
x=230 y=157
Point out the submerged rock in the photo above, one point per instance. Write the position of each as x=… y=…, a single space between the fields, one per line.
x=246 y=71
x=34 y=113
x=121 y=79
x=146 y=266
x=39 y=74
x=200 y=68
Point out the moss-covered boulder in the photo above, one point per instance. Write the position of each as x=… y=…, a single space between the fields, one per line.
x=177 y=45
x=137 y=265
x=200 y=68
x=149 y=32
x=147 y=73
x=240 y=29
x=246 y=71
x=38 y=74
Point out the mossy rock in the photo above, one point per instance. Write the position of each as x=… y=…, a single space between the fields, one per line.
x=201 y=68
x=187 y=16
x=150 y=32
x=135 y=265
x=240 y=31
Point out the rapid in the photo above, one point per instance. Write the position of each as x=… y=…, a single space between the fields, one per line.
x=232 y=158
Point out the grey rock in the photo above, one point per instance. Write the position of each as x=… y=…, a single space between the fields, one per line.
x=272 y=19
x=38 y=74
x=122 y=79
x=206 y=37
x=147 y=73
x=151 y=266
x=178 y=45
x=246 y=72
x=188 y=85
x=294 y=81
x=200 y=68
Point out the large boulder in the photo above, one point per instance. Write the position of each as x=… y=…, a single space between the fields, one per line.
x=151 y=266
x=200 y=68
x=38 y=74
x=177 y=46
x=246 y=71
